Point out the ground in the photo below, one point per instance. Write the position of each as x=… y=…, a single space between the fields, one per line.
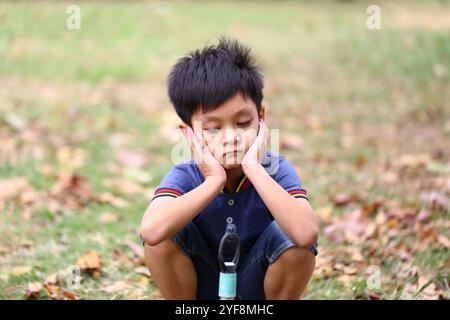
x=86 y=135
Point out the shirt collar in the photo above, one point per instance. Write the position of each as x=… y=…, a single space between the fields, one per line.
x=242 y=184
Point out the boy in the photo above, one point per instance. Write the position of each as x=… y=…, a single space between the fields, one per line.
x=217 y=93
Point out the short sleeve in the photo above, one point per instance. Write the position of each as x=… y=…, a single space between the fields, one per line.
x=175 y=183
x=287 y=177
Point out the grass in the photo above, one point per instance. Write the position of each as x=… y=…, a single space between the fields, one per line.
x=101 y=89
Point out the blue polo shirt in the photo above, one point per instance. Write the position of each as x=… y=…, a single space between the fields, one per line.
x=243 y=207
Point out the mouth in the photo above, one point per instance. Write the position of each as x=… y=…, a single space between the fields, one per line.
x=234 y=152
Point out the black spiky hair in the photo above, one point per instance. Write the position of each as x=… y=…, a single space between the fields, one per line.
x=206 y=78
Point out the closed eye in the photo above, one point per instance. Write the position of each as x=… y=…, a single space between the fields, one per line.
x=212 y=130
x=244 y=124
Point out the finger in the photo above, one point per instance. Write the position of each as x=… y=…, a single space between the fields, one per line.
x=190 y=144
x=262 y=134
x=203 y=141
x=195 y=144
x=195 y=140
x=198 y=137
x=207 y=155
x=266 y=130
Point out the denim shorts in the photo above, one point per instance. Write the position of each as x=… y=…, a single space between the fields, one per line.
x=251 y=268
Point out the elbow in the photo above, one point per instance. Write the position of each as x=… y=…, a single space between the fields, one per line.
x=150 y=235
x=307 y=237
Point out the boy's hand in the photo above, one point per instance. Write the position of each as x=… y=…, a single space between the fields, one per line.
x=255 y=154
x=207 y=164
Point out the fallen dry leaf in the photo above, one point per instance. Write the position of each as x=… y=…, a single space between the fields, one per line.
x=52 y=279
x=424 y=216
x=53 y=291
x=291 y=142
x=435 y=200
x=33 y=290
x=18 y=271
x=346 y=230
x=116 y=287
x=344 y=199
x=11 y=188
x=71 y=183
x=126 y=187
x=90 y=263
x=374 y=296
x=325 y=214
x=115 y=201
x=143 y=271
x=108 y=217
x=132 y=158
x=70 y=295
x=145 y=281
x=137 y=249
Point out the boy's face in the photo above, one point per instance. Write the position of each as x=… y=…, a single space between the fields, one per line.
x=230 y=129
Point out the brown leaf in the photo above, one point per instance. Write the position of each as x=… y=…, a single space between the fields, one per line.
x=413 y=160
x=355 y=254
x=11 y=188
x=120 y=259
x=29 y=196
x=360 y=162
x=325 y=214
x=392 y=223
x=371 y=230
x=371 y=209
x=18 y=271
x=143 y=271
x=444 y=241
x=115 y=201
x=68 y=182
x=435 y=200
x=53 y=291
x=127 y=187
x=116 y=287
x=350 y=270
x=52 y=279
x=137 y=249
x=374 y=296
x=4 y=250
x=108 y=217
x=70 y=294
x=33 y=290
x=291 y=142
x=424 y=216
x=145 y=281
x=90 y=263
x=344 y=199
x=132 y=158
x=349 y=230
x=333 y=233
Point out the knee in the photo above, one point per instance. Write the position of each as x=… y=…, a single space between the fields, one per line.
x=163 y=249
x=296 y=255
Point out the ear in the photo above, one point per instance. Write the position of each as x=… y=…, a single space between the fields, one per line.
x=262 y=112
x=183 y=127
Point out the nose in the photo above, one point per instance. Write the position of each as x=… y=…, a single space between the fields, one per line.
x=231 y=137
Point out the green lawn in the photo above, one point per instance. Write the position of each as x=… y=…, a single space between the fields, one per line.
x=86 y=122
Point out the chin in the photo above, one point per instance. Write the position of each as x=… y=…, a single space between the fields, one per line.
x=231 y=166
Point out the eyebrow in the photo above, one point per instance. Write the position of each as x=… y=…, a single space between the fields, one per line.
x=212 y=118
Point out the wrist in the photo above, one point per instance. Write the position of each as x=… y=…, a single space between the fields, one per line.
x=216 y=183
x=253 y=170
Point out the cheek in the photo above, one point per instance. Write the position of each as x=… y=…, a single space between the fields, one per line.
x=213 y=142
x=248 y=137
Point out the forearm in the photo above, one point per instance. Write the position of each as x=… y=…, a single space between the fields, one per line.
x=294 y=216
x=165 y=218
